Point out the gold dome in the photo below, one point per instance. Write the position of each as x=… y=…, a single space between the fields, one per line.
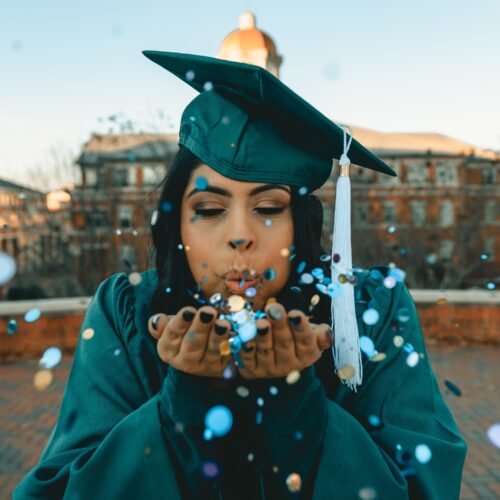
x=250 y=45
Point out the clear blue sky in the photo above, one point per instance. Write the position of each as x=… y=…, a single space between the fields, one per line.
x=429 y=66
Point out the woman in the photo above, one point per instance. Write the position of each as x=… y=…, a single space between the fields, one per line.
x=172 y=394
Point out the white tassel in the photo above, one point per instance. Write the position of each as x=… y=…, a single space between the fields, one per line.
x=346 y=351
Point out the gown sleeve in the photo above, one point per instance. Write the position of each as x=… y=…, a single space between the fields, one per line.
x=395 y=437
x=108 y=440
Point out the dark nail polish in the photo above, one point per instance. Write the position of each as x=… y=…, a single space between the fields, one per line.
x=248 y=348
x=262 y=331
x=154 y=323
x=274 y=313
x=206 y=317
x=219 y=329
x=188 y=315
x=294 y=320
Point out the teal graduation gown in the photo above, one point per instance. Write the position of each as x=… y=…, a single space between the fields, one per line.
x=131 y=427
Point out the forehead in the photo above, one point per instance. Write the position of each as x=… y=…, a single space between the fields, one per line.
x=214 y=178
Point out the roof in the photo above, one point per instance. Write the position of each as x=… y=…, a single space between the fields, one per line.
x=418 y=143
x=17 y=187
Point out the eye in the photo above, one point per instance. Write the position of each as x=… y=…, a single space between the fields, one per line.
x=270 y=210
x=208 y=212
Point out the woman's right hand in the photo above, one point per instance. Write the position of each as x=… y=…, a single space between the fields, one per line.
x=190 y=340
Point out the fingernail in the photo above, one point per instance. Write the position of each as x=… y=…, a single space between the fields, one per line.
x=274 y=313
x=294 y=320
x=262 y=331
x=188 y=315
x=219 y=329
x=248 y=348
x=206 y=317
x=154 y=323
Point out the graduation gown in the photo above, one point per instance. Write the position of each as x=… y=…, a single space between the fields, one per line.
x=131 y=427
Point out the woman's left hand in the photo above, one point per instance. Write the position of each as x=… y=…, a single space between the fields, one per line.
x=287 y=345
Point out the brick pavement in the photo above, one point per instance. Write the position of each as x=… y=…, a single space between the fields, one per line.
x=28 y=415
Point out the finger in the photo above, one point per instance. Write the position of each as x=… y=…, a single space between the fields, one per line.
x=248 y=355
x=283 y=340
x=157 y=323
x=218 y=334
x=324 y=336
x=264 y=354
x=171 y=338
x=303 y=334
x=195 y=341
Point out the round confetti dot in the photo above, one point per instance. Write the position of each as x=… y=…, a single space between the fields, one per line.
x=210 y=470
x=215 y=298
x=268 y=223
x=225 y=120
x=306 y=278
x=275 y=469
x=12 y=327
x=235 y=303
x=303 y=190
x=273 y=390
x=134 y=278
x=154 y=217
x=378 y=356
x=389 y=282
x=315 y=300
x=343 y=279
x=118 y=232
x=490 y=285
x=207 y=86
x=318 y=273
x=398 y=341
x=336 y=258
x=229 y=372
x=298 y=436
x=32 y=315
x=7 y=268
x=251 y=292
x=484 y=256
x=167 y=207
x=334 y=290
x=367 y=494
x=190 y=74
x=208 y=434
x=293 y=377
x=346 y=372
x=250 y=457
x=441 y=301
x=270 y=274
x=454 y=389
x=180 y=246
x=247 y=331
x=423 y=453
x=374 y=420
x=88 y=333
x=403 y=315
x=431 y=259
x=148 y=450
x=201 y=183
x=116 y=352
x=325 y=258
x=398 y=274
x=284 y=252
x=43 y=379
x=494 y=434
x=242 y=391
x=366 y=345
x=294 y=482
x=301 y=267
x=225 y=348
x=50 y=358
x=391 y=229
x=412 y=359
x=371 y=316
x=219 y=420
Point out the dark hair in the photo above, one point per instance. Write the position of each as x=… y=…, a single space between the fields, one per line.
x=171 y=264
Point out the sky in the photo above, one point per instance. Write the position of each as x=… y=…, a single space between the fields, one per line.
x=395 y=66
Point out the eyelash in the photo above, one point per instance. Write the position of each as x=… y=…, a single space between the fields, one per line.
x=214 y=212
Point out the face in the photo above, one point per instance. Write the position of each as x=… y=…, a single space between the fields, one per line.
x=244 y=228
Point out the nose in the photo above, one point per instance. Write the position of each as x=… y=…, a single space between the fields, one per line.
x=240 y=234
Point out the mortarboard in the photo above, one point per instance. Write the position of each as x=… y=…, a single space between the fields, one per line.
x=248 y=125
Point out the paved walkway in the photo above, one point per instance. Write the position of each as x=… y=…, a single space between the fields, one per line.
x=28 y=415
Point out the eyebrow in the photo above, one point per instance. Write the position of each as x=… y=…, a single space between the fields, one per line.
x=253 y=192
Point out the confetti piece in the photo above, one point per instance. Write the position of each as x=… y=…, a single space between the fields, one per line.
x=88 y=333
x=32 y=315
x=494 y=434
x=452 y=388
x=367 y=493
x=235 y=303
x=219 y=420
x=134 y=278
x=7 y=268
x=292 y=377
x=345 y=372
x=50 y=358
x=294 y=482
x=43 y=379
x=242 y=391
x=412 y=359
x=210 y=470
x=398 y=340
x=423 y=453
x=371 y=316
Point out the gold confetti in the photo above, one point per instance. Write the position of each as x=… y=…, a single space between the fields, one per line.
x=236 y=303
x=147 y=450
x=285 y=252
x=225 y=348
x=134 y=278
x=441 y=301
x=271 y=300
x=345 y=372
x=293 y=377
x=275 y=469
x=379 y=356
x=88 y=333
x=43 y=379
x=343 y=279
x=315 y=300
x=398 y=341
x=294 y=482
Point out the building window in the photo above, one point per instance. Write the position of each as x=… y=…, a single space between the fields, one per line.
x=490 y=211
x=490 y=247
x=446 y=174
x=446 y=213
x=97 y=218
x=124 y=176
x=388 y=180
x=127 y=256
x=417 y=173
x=125 y=215
x=446 y=249
x=389 y=208
x=90 y=177
x=152 y=175
x=361 y=212
x=489 y=174
x=418 y=212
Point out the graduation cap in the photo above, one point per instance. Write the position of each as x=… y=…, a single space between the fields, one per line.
x=248 y=125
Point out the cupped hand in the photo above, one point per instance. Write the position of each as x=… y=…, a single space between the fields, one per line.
x=284 y=342
x=190 y=340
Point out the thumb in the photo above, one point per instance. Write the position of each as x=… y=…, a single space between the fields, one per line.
x=157 y=323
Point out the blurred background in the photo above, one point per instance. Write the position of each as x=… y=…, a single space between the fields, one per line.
x=89 y=128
